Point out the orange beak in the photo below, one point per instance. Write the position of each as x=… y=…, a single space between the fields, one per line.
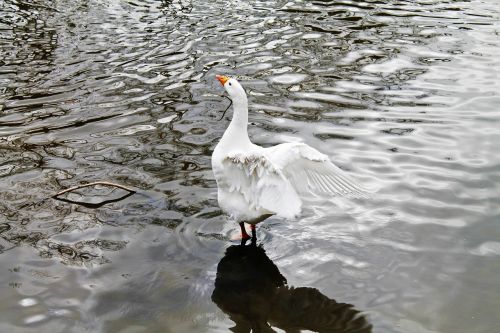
x=222 y=79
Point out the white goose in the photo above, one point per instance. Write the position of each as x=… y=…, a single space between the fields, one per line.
x=255 y=183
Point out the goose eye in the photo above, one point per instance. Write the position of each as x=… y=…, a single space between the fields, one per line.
x=230 y=83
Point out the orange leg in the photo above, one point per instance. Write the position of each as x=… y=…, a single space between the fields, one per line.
x=254 y=233
x=244 y=234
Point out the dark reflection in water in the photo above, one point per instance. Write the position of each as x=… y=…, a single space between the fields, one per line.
x=250 y=289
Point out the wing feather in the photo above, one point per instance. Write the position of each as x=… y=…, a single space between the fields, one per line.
x=261 y=183
x=311 y=171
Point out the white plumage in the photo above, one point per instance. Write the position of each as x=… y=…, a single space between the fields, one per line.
x=255 y=182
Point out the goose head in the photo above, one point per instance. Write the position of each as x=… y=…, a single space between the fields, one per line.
x=233 y=87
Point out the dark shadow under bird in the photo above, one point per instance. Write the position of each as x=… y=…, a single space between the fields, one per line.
x=250 y=289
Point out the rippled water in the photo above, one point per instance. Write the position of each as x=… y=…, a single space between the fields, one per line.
x=404 y=95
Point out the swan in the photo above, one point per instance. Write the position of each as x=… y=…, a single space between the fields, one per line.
x=255 y=183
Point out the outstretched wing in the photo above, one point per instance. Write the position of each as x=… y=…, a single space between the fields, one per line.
x=261 y=184
x=311 y=171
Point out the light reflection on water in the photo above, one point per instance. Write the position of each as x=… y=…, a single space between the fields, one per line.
x=401 y=94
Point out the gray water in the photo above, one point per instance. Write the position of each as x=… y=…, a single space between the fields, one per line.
x=403 y=95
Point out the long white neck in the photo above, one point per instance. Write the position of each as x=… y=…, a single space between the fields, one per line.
x=237 y=132
x=240 y=114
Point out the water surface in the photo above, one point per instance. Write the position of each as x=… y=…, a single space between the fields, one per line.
x=403 y=95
